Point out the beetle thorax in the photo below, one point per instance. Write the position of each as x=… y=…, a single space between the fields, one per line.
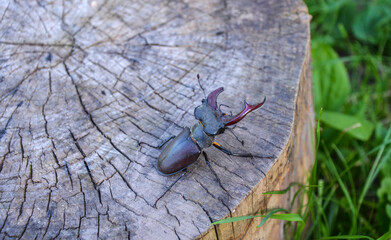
x=209 y=118
x=202 y=139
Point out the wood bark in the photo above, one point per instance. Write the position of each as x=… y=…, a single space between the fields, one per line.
x=83 y=83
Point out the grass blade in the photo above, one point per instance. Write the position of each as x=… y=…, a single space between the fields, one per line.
x=318 y=129
x=285 y=190
x=385 y=236
x=270 y=214
x=235 y=219
x=292 y=217
x=348 y=237
x=373 y=172
x=330 y=164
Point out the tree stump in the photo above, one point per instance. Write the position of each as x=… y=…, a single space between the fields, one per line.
x=83 y=83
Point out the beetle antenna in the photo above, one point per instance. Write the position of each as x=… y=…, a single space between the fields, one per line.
x=199 y=82
x=222 y=104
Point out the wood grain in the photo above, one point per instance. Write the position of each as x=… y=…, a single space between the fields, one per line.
x=82 y=83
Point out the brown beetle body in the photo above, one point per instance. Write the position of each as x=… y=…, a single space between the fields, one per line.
x=181 y=152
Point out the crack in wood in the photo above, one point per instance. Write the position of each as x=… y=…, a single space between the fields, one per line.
x=29 y=177
x=206 y=212
x=128 y=184
x=4 y=130
x=90 y=116
x=172 y=215
x=28 y=221
x=86 y=166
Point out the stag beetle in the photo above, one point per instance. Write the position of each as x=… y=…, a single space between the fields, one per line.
x=185 y=148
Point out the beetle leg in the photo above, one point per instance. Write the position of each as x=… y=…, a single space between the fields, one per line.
x=213 y=171
x=233 y=133
x=166 y=141
x=158 y=146
x=169 y=187
x=228 y=152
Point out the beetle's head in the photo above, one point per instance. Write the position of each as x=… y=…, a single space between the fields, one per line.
x=213 y=119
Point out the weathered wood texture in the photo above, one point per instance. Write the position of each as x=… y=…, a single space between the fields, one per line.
x=82 y=83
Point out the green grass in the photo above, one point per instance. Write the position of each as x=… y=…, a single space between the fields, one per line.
x=348 y=193
x=351 y=50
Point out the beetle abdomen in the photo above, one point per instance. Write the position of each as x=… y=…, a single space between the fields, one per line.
x=178 y=154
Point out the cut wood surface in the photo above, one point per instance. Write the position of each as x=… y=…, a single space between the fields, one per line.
x=83 y=83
